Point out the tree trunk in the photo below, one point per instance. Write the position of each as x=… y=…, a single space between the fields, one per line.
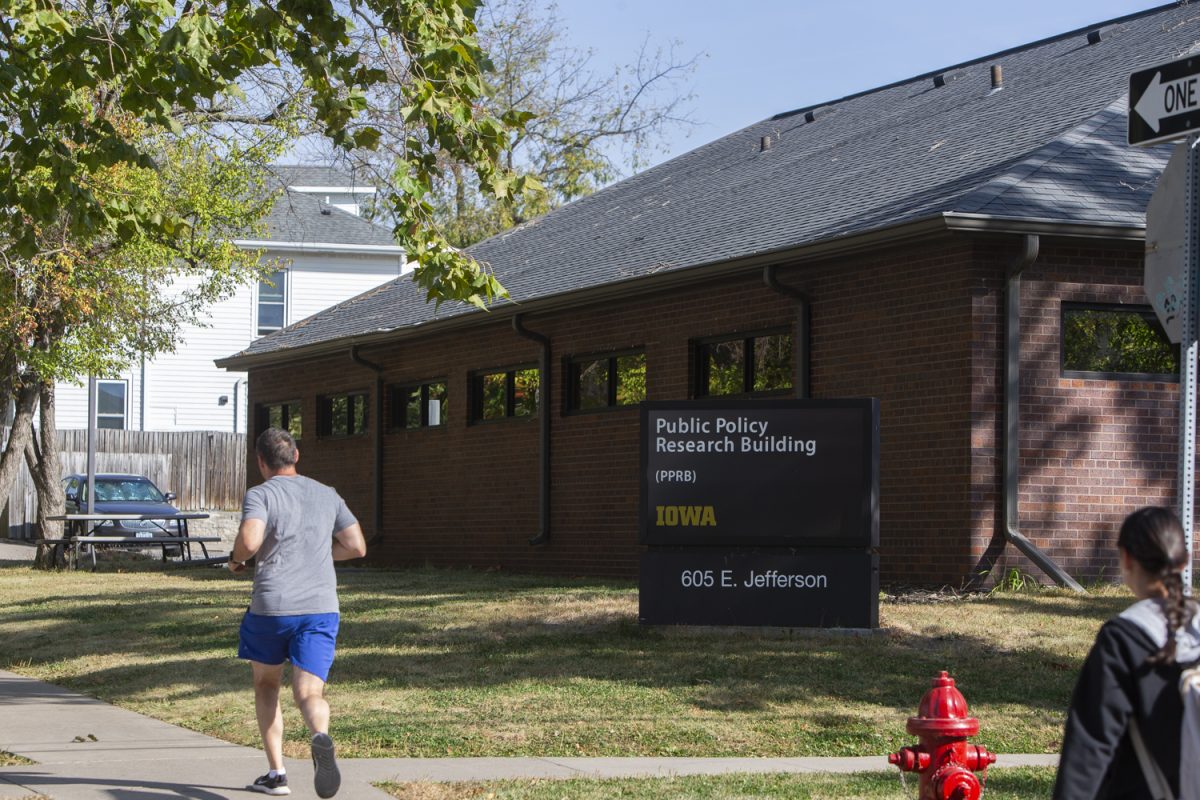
x=18 y=438
x=47 y=475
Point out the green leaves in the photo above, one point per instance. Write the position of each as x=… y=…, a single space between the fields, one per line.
x=124 y=135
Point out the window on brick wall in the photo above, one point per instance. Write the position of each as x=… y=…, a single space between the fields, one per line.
x=607 y=381
x=756 y=364
x=285 y=416
x=421 y=405
x=504 y=393
x=1116 y=342
x=342 y=414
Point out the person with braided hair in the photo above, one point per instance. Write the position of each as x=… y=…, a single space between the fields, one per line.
x=1127 y=698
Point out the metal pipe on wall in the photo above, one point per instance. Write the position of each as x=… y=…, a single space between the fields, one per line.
x=378 y=483
x=1012 y=419
x=519 y=328
x=803 y=328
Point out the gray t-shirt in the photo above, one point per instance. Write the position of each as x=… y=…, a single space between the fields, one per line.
x=293 y=572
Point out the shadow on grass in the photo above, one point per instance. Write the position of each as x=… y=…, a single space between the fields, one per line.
x=395 y=635
x=559 y=643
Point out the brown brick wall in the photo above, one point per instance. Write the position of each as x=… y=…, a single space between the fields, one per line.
x=1091 y=450
x=918 y=327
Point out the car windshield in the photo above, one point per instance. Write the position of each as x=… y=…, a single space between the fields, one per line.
x=131 y=490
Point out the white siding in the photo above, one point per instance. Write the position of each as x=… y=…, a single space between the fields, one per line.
x=315 y=276
x=184 y=388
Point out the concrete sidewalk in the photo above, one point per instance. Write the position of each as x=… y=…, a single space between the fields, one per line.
x=89 y=750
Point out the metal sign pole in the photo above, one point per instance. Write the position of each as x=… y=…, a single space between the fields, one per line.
x=91 y=444
x=1187 y=356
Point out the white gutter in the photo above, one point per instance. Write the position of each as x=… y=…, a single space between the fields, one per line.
x=319 y=247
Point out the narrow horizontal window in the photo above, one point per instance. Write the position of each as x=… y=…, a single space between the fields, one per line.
x=342 y=414
x=421 y=405
x=758 y=364
x=606 y=382
x=501 y=394
x=285 y=416
x=1116 y=343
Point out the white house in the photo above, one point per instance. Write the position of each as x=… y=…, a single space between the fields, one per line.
x=329 y=254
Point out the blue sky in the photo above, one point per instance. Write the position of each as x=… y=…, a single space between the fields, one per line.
x=766 y=57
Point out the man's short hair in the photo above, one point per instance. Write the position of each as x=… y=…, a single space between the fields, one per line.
x=276 y=448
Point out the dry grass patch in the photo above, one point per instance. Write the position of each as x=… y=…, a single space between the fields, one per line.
x=463 y=663
x=13 y=760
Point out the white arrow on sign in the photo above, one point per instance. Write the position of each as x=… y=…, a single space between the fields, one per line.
x=1167 y=99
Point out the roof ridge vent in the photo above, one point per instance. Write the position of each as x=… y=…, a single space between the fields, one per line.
x=947 y=77
x=1098 y=35
x=814 y=114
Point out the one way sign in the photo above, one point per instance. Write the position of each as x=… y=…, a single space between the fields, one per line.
x=1164 y=101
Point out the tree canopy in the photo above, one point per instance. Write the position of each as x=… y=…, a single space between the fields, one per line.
x=134 y=137
x=72 y=71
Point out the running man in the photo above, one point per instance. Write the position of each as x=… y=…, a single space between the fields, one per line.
x=295 y=528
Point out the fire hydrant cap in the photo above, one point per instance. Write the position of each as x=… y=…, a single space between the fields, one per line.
x=943 y=711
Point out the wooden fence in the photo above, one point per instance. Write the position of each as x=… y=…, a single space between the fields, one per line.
x=206 y=469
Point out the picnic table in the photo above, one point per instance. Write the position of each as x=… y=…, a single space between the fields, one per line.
x=84 y=532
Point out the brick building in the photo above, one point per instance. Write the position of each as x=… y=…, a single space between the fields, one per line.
x=917 y=243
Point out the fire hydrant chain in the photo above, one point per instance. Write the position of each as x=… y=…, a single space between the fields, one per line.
x=945 y=762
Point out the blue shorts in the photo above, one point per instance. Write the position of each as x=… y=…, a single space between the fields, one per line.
x=307 y=640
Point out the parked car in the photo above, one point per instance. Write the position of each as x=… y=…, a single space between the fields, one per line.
x=122 y=494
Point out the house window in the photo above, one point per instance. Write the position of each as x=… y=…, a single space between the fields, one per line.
x=285 y=416
x=419 y=406
x=110 y=404
x=1116 y=342
x=271 y=302
x=758 y=364
x=342 y=414
x=505 y=393
x=606 y=381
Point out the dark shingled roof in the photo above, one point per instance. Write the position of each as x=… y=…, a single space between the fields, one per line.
x=298 y=217
x=1050 y=145
x=318 y=175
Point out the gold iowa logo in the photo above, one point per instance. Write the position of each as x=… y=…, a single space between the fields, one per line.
x=685 y=516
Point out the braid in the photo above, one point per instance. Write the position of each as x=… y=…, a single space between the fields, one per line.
x=1154 y=538
x=1178 y=612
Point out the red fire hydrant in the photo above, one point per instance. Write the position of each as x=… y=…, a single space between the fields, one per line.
x=946 y=762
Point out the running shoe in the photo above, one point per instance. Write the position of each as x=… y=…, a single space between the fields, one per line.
x=326 y=778
x=275 y=786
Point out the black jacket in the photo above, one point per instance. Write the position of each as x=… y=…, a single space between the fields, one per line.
x=1098 y=761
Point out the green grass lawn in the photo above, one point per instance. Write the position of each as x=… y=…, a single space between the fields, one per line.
x=1006 y=784
x=465 y=663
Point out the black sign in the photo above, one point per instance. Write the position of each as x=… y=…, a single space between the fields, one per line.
x=1164 y=101
x=782 y=473
x=779 y=588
